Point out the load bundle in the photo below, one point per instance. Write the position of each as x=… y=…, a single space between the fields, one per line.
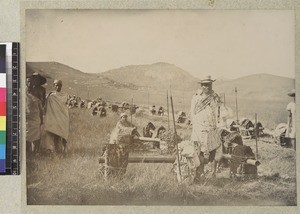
x=243 y=162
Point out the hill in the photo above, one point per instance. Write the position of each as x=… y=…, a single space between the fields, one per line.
x=75 y=81
x=258 y=87
x=263 y=94
x=158 y=75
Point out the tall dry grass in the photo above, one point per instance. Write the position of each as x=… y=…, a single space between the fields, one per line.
x=75 y=179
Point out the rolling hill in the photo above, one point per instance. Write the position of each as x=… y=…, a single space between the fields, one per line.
x=147 y=85
x=157 y=76
x=258 y=86
x=75 y=81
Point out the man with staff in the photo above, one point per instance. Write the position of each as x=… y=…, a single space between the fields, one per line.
x=205 y=115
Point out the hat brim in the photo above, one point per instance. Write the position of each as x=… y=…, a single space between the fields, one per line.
x=206 y=81
x=40 y=80
x=292 y=94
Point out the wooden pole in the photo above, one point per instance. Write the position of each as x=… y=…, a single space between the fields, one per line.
x=168 y=110
x=144 y=159
x=236 y=106
x=183 y=107
x=131 y=109
x=148 y=97
x=176 y=144
x=255 y=129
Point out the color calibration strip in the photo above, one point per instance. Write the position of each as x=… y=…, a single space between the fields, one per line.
x=9 y=108
x=2 y=109
x=12 y=107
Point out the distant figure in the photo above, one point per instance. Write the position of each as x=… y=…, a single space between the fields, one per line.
x=34 y=119
x=291 y=123
x=57 y=119
x=153 y=111
x=205 y=115
x=160 y=111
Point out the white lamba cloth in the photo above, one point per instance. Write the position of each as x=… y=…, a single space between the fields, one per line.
x=57 y=115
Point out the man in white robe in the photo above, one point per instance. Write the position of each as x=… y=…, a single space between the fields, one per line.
x=205 y=115
x=56 y=120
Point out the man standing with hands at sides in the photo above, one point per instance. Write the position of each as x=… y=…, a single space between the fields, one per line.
x=205 y=115
x=57 y=120
x=291 y=124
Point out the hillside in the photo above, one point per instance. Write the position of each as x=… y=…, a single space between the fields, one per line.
x=263 y=94
x=158 y=75
x=258 y=87
x=74 y=80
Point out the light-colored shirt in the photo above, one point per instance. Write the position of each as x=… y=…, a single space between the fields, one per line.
x=206 y=119
x=291 y=125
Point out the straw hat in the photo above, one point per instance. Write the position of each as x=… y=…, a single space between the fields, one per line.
x=206 y=79
x=38 y=79
x=58 y=82
x=292 y=93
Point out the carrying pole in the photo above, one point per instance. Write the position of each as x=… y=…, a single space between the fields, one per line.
x=176 y=144
x=168 y=110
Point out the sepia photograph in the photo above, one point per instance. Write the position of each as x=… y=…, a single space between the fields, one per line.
x=160 y=107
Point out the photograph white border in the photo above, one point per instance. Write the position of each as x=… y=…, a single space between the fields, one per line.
x=152 y=4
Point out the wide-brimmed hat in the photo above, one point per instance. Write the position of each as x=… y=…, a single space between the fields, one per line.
x=38 y=79
x=206 y=79
x=123 y=115
x=292 y=93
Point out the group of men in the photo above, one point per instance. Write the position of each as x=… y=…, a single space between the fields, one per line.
x=51 y=112
x=46 y=116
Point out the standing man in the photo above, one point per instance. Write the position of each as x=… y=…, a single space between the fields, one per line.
x=38 y=90
x=205 y=115
x=34 y=119
x=57 y=119
x=291 y=124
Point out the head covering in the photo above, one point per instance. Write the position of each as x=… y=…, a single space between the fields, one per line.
x=38 y=79
x=292 y=93
x=206 y=79
x=59 y=82
x=123 y=115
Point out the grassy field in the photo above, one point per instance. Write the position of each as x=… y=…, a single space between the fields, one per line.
x=75 y=179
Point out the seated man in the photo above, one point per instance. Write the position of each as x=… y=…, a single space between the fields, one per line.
x=117 y=151
x=123 y=128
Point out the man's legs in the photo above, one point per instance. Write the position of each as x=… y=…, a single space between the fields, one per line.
x=200 y=169
x=36 y=146
x=57 y=145
x=49 y=141
x=293 y=143
x=64 y=145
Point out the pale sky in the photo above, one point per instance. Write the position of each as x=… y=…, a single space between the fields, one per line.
x=229 y=44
